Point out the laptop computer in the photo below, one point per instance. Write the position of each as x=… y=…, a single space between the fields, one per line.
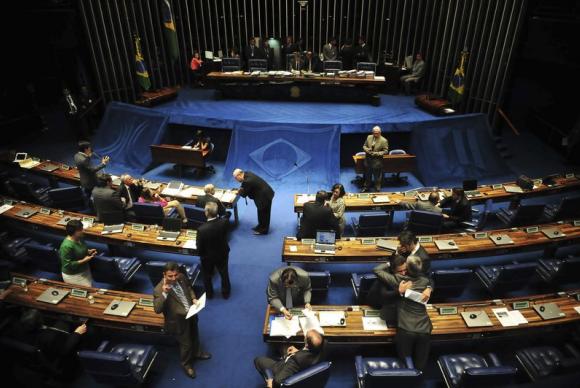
x=120 y=308
x=64 y=220
x=173 y=188
x=48 y=167
x=513 y=189
x=20 y=156
x=553 y=233
x=446 y=245
x=52 y=295
x=27 y=213
x=476 y=318
x=469 y=185
x=501 y=239
x=171 y=229
x=549 y=311
x=110 y=229
x=325 y=242
x=389 y=245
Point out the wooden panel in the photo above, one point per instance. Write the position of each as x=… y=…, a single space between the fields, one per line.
x=218 y=76
x=168 y=153
x=391 y=163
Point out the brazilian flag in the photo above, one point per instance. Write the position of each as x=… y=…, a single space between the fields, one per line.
x=457 y=85
x=142 y=74
x=169 y=30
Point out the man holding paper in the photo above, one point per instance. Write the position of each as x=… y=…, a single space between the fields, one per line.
x=289 y=287
x=174 y=297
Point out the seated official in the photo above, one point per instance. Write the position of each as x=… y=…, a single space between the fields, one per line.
x=417 y=72
x=203 y=200
x=293 y=361
x=150 y=196
x=107 y=201
x=129 y=190
x=347 y=54
x=297 y=64
x=312 y=63
x=289 y=287
x=457 y=209
x=75 y=256
x=337 y=205
x=88 y=171
x=316 y=216
x=413 y=338
x=362 y=51
x=430 y=205
x=375 y=147
x=252 y=51
x=202 y=143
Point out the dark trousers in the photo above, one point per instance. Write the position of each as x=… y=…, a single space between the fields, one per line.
x=414 y=345
x=188 y=340
x=264 y=364
x=373 y=169
x=208 y=265
x=264 y=210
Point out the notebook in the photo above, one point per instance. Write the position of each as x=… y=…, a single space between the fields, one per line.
x=446 y=245
x=119 y=308
x=52 y=296
x=476 y=319
x=549 y=311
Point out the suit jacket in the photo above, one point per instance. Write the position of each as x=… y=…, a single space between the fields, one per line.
x=381 y=146
x=347 y=53
x=87 y=171
x=203 y=200
x=257 y=189
x=424 y=206
x=418 y=69
x=458 y=211
x=212 y=240
x=276 y=292
x=268 y=55
x=135 y=191
x=317 y=217
x=252 y=54
x=363 y=53
x=312 y=65
x=329 y=52
x=107 y=202
x=289 y=366
x=172 y=309
x=297 y=64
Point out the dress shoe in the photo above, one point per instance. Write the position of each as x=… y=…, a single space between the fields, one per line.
x=256 y=227
x=190 y=372
x=259 y=233
x=203 y=356
x=226 y=294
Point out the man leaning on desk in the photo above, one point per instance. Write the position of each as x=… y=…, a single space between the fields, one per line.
x=289 y=287
x=375 y=147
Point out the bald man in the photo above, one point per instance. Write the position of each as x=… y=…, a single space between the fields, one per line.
x=375 y=147
x=295 y=360
x=259 y=190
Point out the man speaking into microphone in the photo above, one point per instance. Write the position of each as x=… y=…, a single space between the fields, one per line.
x=88 y=171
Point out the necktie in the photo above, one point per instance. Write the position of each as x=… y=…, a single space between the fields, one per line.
x=289 y=298
x=181 y=296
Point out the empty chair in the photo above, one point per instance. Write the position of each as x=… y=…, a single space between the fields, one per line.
x=479 y=222
x=568 y=208
x=420 y=222
x=195 y=216
x=505 y=278
x=559 y=271
x=373 y=372
x=397 y=152
x=114 y=270
x=257 y=65
x=27 y=191
x=450 y=283
x=30 y=356
x=319 y=280
x=371 y=224
x=314 y=377
x=542 y=361
x=328 y=66
x=14 y=247
x=361 y=284
x=231 y=64
x=67 y=198
x=123 y=364
x=366 y=66
x=155 y=271
x=522 y=215
x=150 y=213
x=470 y=369
x=43 y=256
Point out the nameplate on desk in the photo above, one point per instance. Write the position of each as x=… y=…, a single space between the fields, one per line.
x=102 y=291
x=191 y=233
x=576 y=222
x=45 y=211
x=79 y=293
x=19 y=281
x=578 y=297
x=520 y=305
x=570 y=176
x=138 y=227
x=368 y=241
x=361 y=196
x=450 y=310
x=64 y=167
x=145 y=302
x=88 y=222
x=480 y=235
x=297 y=312
x=411 y=193
x=308 y=241
x=532 y=229
x=425 y=239
x=497 y=186
x=372 y=313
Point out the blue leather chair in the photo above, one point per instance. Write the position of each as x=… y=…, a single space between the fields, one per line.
x=314 y=377
x=43 y=256
x=14 y=247
x=559 y=271
x=155 y=271
x=372 y=372
x=231 y=64
x=114 y=270
x=67 y=198
x=505 y=278
x=522 y=215
x=469 y=369
x=150 y=213
x=451 y=283
x=123 y=364
x=371 y=225
x=478 y=223
x=543 y=361
x=420 y=222
x=361 y=284
x=27 y=191
x=31 y=357
x=195 y=217
x=568 y=208
x=319 y=280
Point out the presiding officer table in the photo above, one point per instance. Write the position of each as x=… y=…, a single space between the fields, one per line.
x=178 y=155
x=392 y=164
x=445 y=327
x=141 y=319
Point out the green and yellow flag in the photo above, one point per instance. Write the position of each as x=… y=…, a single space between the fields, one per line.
x=169 y=30
x=142 y=74
x=457 y=85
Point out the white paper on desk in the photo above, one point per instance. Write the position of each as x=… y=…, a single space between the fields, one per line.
x=414 y=296
x=577 y=308
x=331 y=318
x=227 y=196
x=381 y=199
x=192 y=191
x=504 y=317
x=170 y=192
x=186 y=147
x=28 y=164
x=379 y=78
x=305 y=198
x=310 y=322
x=5 y=208
x=282 y=327
x=517 y=316
x=196 y=308
x=374 y=324
x=190 y=244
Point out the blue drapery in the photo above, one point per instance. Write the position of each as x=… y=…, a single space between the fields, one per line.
x=456 y=149
x=125 y=134
x=282 y=152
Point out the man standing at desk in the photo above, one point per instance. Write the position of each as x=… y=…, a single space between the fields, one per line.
x=87 y=171
x=251 y=51
x=375 y=147
x=330 y=51
x=257 y=189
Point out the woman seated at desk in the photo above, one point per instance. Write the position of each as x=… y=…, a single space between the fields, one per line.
x=202 y=143
x=75 y=256
x=150 y=196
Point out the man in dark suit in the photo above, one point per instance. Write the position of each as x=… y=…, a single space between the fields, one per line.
x=409 y=245
x=257 y=189
x=88 y=171
x=107 y=201
x=363 y=53
x=252 y=51
x=129 y=190
x=317 y=216
x=173 y=297
x=268 y=54
x=459 y=209
x=289 y=287
x=213 y=250
x=311 y=63
x=347 y=54
x=295 y=360
x=203 y=200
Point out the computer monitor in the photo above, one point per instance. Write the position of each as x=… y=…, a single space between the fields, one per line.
x=470 y=184
x=408 y=61
x=20 y=156
x=325 y=236
x=208 y=55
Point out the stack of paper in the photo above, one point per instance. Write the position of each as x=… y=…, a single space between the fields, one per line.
x=381 y=199
x=282 y=327
x=374 y=324
x=304 y=198
x=190 y=244
x=196 y=308
x=5 y=208
x=191 y=191
x=414 y=296
x=332 y=318
x=29 y=163
x=226 y=196
x=509 y=318
x=310 y=322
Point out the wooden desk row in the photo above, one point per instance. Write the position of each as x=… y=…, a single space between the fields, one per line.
x=141 y=319
x=301 y=78
x=364 y=250
x=391 y=163
x=130 y=237
x=445 y=327
x=70 y=175
x=357 y=202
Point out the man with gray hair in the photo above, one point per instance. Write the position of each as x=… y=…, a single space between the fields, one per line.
x=257 y=189
x=214 y=250
x=375 y=147
x=209 y=196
